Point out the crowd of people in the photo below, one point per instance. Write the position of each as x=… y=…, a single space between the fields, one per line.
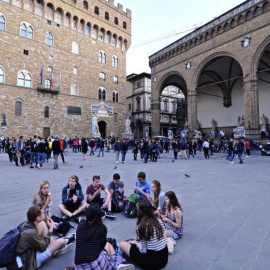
x=34 y=152
x=159 y=225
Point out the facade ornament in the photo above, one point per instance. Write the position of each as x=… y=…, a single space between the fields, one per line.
x=188 y=65
x=154 y=78
x=246 y=42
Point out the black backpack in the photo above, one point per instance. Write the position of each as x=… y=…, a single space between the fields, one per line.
x=8 y=244
x=117 y=201
x=64 y=228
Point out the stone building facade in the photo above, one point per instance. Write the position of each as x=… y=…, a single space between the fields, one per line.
x=139 y=106
x=223 y=69
x=61 y=62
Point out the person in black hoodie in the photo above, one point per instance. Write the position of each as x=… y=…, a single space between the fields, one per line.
x=41 y=149
x=56 y=148
x=72 y=199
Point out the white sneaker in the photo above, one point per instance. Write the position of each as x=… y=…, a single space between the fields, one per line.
x=64 y=250
x=116 y=162
x=123 y=266
x=231 y=162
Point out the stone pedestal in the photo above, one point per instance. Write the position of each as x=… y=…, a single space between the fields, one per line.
x=128 y=135
x=263 y=128
x=3 y=131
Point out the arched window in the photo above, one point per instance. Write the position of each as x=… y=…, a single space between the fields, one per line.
x=124 y=25
x=115 y=62
x=24 y=78
x=18 y=108
x=102 y=76
x=107 y=16
x=2 y=75
x=116 y=20
x=75 y=70
x=74 y=89
x=47 y=83
x=115 y=96
x=85 y=5
x=115 y=79
x=75 y=47
x=2 y=22
x=102 y=57
x=97 y=10
x=26 y=30
x=102 y=93
x=49 y=39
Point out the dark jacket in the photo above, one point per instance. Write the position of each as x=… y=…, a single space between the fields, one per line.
x=56 y=148
x=66 y=200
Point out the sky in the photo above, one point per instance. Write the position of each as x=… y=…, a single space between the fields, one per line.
x=158 y=23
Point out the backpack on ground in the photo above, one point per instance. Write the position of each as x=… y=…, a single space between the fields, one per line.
x=130 y=209
x=8 y=245
x=117 y=201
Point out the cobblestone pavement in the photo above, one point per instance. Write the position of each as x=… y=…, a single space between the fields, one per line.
x=226 y=206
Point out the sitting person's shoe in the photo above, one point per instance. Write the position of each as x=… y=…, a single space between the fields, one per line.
x=125 y=266
x=64 y=250
x=71 y=238
x=75 y=219
x=109 y=214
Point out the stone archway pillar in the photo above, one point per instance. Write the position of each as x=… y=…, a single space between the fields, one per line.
x=251 y=99
x=192 y=112
x=155 y=111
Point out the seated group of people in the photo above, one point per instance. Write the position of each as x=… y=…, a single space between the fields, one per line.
x=159 y=224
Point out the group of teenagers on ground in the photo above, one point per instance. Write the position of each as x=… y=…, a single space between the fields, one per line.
x=159 y=224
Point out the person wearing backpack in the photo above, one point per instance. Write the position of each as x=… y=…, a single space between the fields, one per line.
x=142 y=187
x=240 y=150
x=32 y=249
x=116 y=189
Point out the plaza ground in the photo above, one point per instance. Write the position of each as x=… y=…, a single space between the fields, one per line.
x=226 y=206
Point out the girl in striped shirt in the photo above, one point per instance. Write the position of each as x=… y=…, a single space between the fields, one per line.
x=151 y=251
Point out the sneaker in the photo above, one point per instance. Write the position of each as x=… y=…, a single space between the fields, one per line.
x=231 y=162
x=117 y=162
x=65 y=163
x=109 y=214
x=38 y=166
x=31 y=167
x=71 y=238
x=64 y=250
x=124 y=266
x=172 y=240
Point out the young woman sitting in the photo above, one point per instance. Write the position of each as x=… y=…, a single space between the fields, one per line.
x=158 y=202
x=151 y=252
x=44 y=198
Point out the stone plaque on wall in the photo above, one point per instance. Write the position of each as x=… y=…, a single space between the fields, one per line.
x=74 y=110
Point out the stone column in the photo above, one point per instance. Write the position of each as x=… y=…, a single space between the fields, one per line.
x=192 y=112
x=251 y=100
x=155 y=109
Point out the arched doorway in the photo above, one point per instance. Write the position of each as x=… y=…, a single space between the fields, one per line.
x=168 y=117
x=220 y=95
x=102 y=125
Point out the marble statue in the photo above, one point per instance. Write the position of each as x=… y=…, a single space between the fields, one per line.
x=127 y=124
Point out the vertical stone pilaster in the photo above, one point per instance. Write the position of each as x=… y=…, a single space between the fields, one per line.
x=192 y=112
x=155 y=110
x=251 y=100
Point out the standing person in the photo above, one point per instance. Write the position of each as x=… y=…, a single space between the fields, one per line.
x=142 y=187
x=72 y=199
x=34 y=249
x=175 y=146
x=93 y=252
x=151 y=252
x=33 y=153
x=84 y=148
x=93 y=195
x=117 y=149
x=10 y=149
x=101 y=147
x=56 y=149
x=247 y=146
x=206 y=149
x=124 y=149
x=145 y=150
x=135 y=150
x=41 y=149
x=173 y=217
x=62 y=148
x=92 y=146
x=230 y=151
x=158 y=202
x=240 y=150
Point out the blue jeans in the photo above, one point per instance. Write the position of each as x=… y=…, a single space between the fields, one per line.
x=240 y=156
x=145 y=157
x=101 y=150
x=230 y=155
x=123 y=155
x=41 y=158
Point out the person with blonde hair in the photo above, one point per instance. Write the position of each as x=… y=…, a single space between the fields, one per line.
x=158 y=202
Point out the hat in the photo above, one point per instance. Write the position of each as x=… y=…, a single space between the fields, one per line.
x=56 y=137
